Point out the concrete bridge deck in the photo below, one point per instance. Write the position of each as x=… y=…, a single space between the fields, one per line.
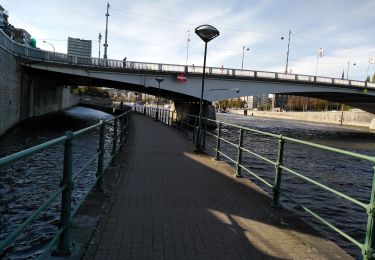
x=170 y=203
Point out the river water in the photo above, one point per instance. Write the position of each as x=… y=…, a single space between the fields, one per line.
x=351 y=176
x=24 y=185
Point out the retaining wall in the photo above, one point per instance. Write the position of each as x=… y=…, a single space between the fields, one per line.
x=24 y=96
x=349 y=118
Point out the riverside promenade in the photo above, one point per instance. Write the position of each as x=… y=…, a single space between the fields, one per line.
x=170 y=203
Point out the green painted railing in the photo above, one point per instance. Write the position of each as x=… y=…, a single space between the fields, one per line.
x=64 y=234
x=188 y=123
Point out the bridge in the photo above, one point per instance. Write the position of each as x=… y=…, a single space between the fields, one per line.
x=220 y=83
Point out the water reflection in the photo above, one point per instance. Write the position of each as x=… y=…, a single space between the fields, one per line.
x=26 y=184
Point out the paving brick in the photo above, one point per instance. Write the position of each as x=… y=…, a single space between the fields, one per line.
x=170 y=203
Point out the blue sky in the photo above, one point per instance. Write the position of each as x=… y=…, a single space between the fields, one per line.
x=157 y=31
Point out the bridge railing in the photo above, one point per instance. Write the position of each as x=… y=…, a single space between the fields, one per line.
x=188 y=124
x=63 y=236
x=38 y=54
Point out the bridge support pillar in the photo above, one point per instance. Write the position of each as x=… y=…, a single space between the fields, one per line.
x=192 y=108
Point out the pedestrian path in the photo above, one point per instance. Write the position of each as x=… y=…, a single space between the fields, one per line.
x=170 y=203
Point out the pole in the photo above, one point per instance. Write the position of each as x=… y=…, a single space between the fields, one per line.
x=347 y=71
x=53 y=47
x=157 y=104
x=65 y=246
x=368 y=67
x=217 y=157
x=100 y=40
x=278 y=171
x=287 y=53
x=239 y=154
x=369 y=246
x=198 y=144
x=342 y=114
x=187 y=47
x=106 y=33
x=100 y=170
x=317 y=60
x=243 y=56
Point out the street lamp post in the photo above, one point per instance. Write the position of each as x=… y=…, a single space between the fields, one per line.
x=347 y=71
x=287 y=53
x=99 y=40
x=187 y=47
x=159 y=80
x=106 y=33
x=371 y=60
x=53 y=47
x=320 y=54
x=243 y=54
x=206 y=33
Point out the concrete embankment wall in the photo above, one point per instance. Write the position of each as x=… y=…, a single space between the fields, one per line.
x=24 y=96
x=349 y=118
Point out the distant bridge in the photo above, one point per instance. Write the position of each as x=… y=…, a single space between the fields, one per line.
x=183 y=83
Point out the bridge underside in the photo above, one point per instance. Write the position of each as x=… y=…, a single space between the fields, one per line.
x=189 y=91
x=78 y=80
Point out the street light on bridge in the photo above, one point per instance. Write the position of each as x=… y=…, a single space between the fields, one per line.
x=106 y=33
x=243 y=54
x=347 y=71
x=206 y=33
x=287 y=53
x=51 y=45
x=99 y=40
x=159 y=80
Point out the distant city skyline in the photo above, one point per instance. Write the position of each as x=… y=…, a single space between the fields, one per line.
x=158 y=31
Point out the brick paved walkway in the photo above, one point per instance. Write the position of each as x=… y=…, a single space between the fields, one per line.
x=170 y=203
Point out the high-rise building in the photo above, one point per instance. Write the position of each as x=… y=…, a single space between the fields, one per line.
x=280 y=101
x=79 y=47
x=260 y=101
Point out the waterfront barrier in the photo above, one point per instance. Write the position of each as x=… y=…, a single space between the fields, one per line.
x=188 y=124
x=63 y=237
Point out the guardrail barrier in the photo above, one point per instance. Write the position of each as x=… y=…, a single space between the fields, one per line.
x=63 y=236
x=188 y=124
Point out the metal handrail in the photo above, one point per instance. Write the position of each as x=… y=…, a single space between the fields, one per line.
x=54 y=57
x=64 y=232
x=367 y=248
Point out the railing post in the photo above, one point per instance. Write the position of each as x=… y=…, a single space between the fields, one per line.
x=121 y=132
x=65 y=246
x=204 y=135
x=172 y=118
x=126 y=118
x=217 y=157
x=100 y=171
x=169 y=118
x=157 y=114
x=368 y=251
x=178 y=123
x=279 y=162
x=239 y=154
x=195 y=127
x=114 y=143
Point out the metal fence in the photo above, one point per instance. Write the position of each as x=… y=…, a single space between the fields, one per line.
x=189 y=123
x=54 y=57
x=63 y=236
